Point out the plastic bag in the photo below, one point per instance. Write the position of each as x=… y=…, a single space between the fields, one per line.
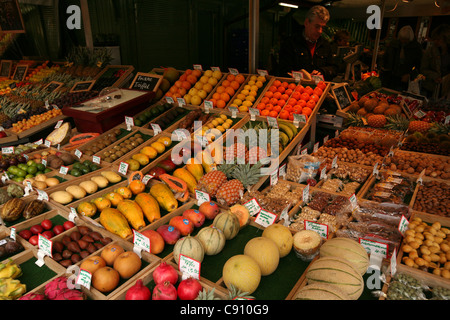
x=301 y=168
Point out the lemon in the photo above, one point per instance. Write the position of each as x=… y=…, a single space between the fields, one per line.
x=262 y=79
x=251 y=83
x=210 y=125
x=226 y=125
x=254 y=88
x=243 y=109
x=198 y=85
x=247 y=87
x=241 y=96
x=193 y=91
x=253 y=77
x=253 y=93
x=208 y=73
x=204 y=79
x=259 y=84
x=212 y=81
x=219 y=120
x=214 y=123
x=221 y=128
x=217 y=74
x=250 y=98
x=187 y=98
x=224 y=117
x=247 y=103
x=245 y=92
x=237 y=102
x=202 y=93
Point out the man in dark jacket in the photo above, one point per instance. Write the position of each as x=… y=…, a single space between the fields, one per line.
x=309 y=50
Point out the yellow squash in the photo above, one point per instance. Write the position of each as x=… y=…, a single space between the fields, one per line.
x=115 y=222
x=187 y=177
x=132 y=212
x=164 y=196
x=149 y=206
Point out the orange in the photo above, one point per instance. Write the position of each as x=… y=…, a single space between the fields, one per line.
x=226 y=83
x=277 y=95
x=299 y=88
x=273 y=114
x=136 y=186
x=273 y=101
x=309 y=90
x=292 y=101
x=240 y=78
x=265 y=112
x=301 y=103
x=191 y=79
x=269 y=106
x=315 y=97
x=268 y=94
x=311 y=104
x=318 y=91
x=305 y=96
x=284 y=97
x=288 y=108
x=221 y=104
x=292 y=85
x=173 y=89
x=273 y=88
x=182 y=91
x=285 y=84
x=281 y=89
x=261 y=106
x=307 y=111
x=178 y=83
x=216 y=95
x=265 y=99
x=196 y=73
x=284 y=115
x=225 y=96
x=297 y=109
x=220 y=89
x=281 y=102
x=276 y=83
x=289 y=91
x=296 y=95
x=186 y=84
x=230 y=91
x=277 y=108
x=231 y=77
x=235 y=85
x=322 y=85
x=188 y=71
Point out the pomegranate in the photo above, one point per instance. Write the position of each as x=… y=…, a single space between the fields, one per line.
x=189 y=289
x=164 y=291
x=165 y=272
x=138 y=292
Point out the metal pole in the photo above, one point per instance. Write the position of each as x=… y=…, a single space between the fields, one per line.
x=377 y=38
x=87 y=24
x=253 y=32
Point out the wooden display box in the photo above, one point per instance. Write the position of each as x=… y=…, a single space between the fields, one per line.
x=102 y=120
x=5 y=233
x=44 y=125
x=414 y=200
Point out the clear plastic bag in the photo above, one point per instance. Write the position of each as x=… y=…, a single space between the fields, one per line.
x=301 y=168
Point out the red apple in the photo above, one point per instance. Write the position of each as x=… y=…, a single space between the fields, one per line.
x=48 y=234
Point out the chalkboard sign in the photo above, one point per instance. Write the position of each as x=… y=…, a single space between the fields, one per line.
x=82 y=86
x=21 y=72
x=52 y=86
x=146 y=82
x=341 y=95
x=5 y=68
x=10 y=17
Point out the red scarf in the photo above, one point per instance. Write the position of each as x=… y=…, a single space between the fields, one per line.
x=311 y=47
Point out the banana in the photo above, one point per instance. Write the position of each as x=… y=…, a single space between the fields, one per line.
x=292 y=126
x=284 y=139
x=285 y=129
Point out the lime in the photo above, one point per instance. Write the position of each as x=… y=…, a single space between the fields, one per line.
x=46 y=170
x=39 y=172
x=148 y=114
x=40 y=166
x=31 y=163
x=32 y=170
x=142 y=118
x=29 y=176
x=77 y=165
x=22 y=166
x=87 y=163
x=154 y=111
x=21 y=173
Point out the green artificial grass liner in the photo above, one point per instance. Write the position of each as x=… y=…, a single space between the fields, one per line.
x=33 y=275
x=57 y=220
x=9 y=224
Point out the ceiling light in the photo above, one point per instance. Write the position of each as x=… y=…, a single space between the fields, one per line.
x=288 y=4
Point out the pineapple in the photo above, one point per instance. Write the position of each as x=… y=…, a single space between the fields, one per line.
x=440 y=128
x=230 y=192
x=3 y=117
x=207 y=295
x=354 y=120
x=397 y=122
x=419 y=126
x=234 y=293
x=211 y=182
x=376 y=120
x=236 y=151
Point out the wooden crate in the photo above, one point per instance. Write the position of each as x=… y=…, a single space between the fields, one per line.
x=35 y=129
x=425 y=181
x=6 y=233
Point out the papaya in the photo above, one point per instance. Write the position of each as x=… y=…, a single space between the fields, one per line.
x=195 y=169
x=177 y=185
x=132 y=212
x=115 y=222
x=187 y=177
x=149 y=206
x=164 y=196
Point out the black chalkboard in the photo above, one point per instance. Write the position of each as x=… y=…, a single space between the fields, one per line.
x=21 y=72
x=10 y=17
x=146 y=82
x=5 y=68
x=82 y=86
x=342 y=97
x=52 y=86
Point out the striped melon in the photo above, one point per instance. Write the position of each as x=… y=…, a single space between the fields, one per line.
x=339 y=272
x=321 y=291
x=228 y=223
x=348 y=249
x=212 y=239
x=190 y=247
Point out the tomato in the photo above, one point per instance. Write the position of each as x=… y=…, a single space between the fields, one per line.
x=47 y=224
x=36 y=229
x=68 y=224
x=34 y=240
x=58 y=229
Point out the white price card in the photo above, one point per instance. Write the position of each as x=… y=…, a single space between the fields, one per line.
x=78 y=153
x=394 y=262
x=320 y=228
x=215 y=68
x=44 y=162
x=129 y=121
x=147 y=178
x=253 y=113
x=282 y=171
x=84 y=279
x=262 y=73
x=305 y=194
x=420 y=178
x=63 y=170
x=156 y=128
x=265 y=218
x=170 y=100
x=233 y=71
x=58 y=124
x=7 y=150
x=141 y=242
x=234 y=111
x=336 y=133
x=12 y=234
x=447 y=120
x=96 y=159
x=299 y=118
x=42 y=195
x=274 y=178
x=253 y=207
x=403 y=225
x=47 y=143
x=181 y=102
x=334 y=163
x=45 y=245
x=316 y=147
x=317 y=78
x=304 y=151
x=197 y=67
x=374 y=247
x=353 y=201
x=375 y=169
x=189 y=267
x=123 y=168
x=208 y=106
x=73 y=214
x=39 y=142
x=323 y=173
x=272 y=122
x=5 y=177
x=297 y=75
x=201 y=197
x=179 y=135
x=325 y=139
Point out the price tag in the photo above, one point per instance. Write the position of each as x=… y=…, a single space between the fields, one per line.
x=96 y=159
x=375 y=169
x=321 y=229
x=253 y=113
x=73 y=214
x=12 y=234
x=189 y=267
x=78 y=153
x=323 y=173
x=47 y=143
x=234 y=111
x=299 y=118
x=374 y=247
x=420 y=114
x=297 y=75
x=5 y=177
x=336 y=133
x=274 y=178
x=305 y=194
x=156 y=128
x=375 y=261
x=253 y=207
x=317 y=78
x=140 y=242
x=353 y=201
x=215 y=68
x=202 y=197
x=170 y=100
x=44 y=162
x=58 y=124
x=8 y=150
x=447 y=120
x=265 y=218
x=420 y=178
x=129 y=121
x=64 y=170
x=282 y=172
x=316 y=147
x=42 y=195
x=285 y=216
x=198 y=67
x=272 y=122
x=403 y=225
x=26 y=157
x=39 y=142
x=181 y=102
x=180 y=134
x=202 y=139
x=123 y=168
x=325 y=139
x=262 y=73
x=394 y=262
x=334 y=163
x=45 y=245
x=233 y=71
x=84 y=279
x=147 y=178
x=304 y=151
x=208 y=105
x=391 y=152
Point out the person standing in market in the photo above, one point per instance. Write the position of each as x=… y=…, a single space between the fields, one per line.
x=436 y=64
x=402 y=60
x=308 y=50
x=340 y=39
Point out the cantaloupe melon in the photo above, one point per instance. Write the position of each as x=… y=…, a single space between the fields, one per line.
x=265 y=252
x=190 y=247
x=282 y=236
x=348 y=249
x=336 y=271
x=228 y=223
x=242 y=272
x=212 y=240
x=321 y=291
